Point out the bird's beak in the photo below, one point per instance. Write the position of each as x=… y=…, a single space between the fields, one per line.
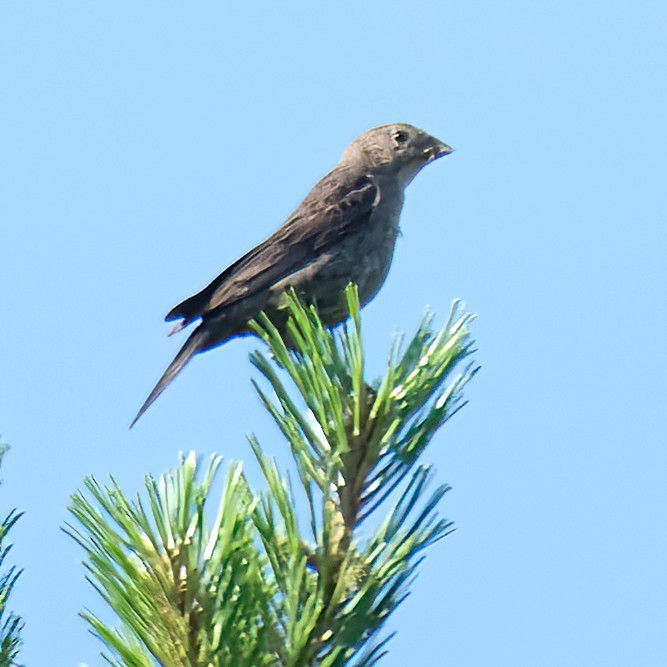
x=443 y=150
x=439 y=150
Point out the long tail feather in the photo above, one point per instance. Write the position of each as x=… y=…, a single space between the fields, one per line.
x=179 y=327
x=191 y=347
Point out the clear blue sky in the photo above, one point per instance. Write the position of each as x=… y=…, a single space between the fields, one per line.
x=144 y=146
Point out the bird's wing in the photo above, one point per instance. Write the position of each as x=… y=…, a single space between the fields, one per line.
x=335 y=206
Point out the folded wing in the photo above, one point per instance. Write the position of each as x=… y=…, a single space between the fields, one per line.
x=336 y=206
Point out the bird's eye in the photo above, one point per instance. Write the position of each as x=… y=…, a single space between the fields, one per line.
x=401 y=137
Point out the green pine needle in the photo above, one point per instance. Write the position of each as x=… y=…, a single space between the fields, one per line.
x=251 y=587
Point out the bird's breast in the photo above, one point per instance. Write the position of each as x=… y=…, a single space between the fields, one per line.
x=377 y=242
x=362 y=256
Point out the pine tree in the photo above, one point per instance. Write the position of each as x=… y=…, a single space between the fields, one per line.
x=252 y=583
x=11 y=625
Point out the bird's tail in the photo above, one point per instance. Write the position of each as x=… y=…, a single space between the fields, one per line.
x=193 y=345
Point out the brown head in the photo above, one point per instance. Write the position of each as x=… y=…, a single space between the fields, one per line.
x=396 y=149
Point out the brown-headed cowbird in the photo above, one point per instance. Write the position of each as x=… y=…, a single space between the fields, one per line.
x=344 y=231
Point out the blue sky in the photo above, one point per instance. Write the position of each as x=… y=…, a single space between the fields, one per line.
x=145 y=146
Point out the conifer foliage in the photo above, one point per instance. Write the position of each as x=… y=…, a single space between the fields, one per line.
x=11 y=624
x=254 y=581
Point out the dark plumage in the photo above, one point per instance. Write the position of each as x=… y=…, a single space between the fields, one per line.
x=344 y=231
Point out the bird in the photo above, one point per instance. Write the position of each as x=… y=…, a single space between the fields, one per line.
x=343 y=232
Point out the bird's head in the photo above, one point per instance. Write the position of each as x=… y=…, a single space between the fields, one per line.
x=397 y=149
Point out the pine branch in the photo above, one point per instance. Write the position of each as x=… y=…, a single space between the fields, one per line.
x=255 y=588
x=186 y=594
x=354 y=445
x=11 y=625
